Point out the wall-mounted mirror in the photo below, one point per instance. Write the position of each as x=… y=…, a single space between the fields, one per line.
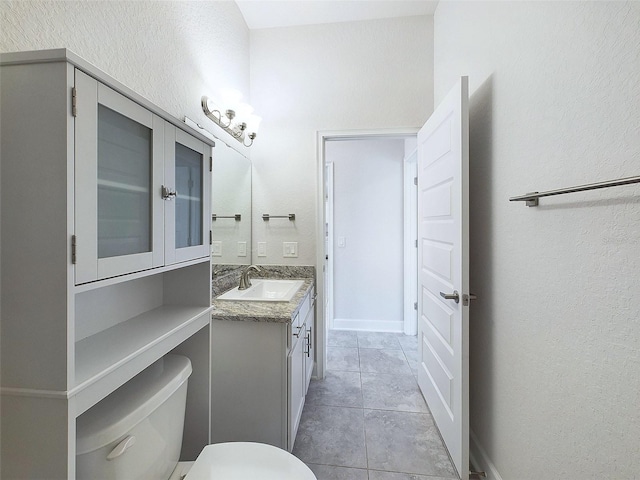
x=230 y=207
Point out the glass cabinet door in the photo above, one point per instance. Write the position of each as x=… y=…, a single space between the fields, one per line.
x=187 y=164
x=189 y=199
x=118 y=172
x=125 y=163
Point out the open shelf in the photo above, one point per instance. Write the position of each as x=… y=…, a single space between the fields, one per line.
x=106 y=360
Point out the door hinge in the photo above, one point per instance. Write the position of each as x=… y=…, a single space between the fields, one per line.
x=478 y=474
x=416 y=243
x=415 y=306
x=73 y=249
x=74 y=102
x=211 y=164
x=210 y=237
x=415 y=180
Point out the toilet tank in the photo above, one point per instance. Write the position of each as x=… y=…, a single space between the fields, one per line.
x=136 y=432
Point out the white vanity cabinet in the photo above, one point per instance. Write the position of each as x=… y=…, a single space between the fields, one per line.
x=259 y=374
x=101 y=276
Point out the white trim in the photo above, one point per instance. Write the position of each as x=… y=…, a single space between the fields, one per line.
x=409 y=245
x=480 y=460
x=321 y=137
x=30 y=392
x=364 y=325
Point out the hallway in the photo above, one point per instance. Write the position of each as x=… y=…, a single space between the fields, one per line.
x=367 y=420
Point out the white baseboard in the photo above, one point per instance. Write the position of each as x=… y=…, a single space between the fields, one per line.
x=396 y=326
x=480 y=460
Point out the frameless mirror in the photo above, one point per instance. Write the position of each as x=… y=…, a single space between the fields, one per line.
x=230 y=207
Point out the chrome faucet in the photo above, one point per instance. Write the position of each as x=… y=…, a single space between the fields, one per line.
x=245 y=281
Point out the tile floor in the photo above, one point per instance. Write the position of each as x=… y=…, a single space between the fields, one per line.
x=367 y=420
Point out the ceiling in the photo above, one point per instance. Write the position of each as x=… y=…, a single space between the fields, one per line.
x=288 y=13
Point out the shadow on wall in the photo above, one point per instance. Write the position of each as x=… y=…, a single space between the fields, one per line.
x=481 y=222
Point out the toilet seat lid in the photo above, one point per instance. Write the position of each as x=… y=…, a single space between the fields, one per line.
x=247 y=461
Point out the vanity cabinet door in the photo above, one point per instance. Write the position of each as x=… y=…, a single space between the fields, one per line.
x=309 y=350
x=187 y=192
x=118 y=174
x=296 y=388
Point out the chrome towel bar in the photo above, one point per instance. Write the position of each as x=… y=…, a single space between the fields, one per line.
x=531 y=199
x=237 y=216
x=266 y=216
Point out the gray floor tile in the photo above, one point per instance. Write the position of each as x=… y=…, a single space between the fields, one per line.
x=412 y=359
x=378 y=340
x=374 y=360
x=408 y=342
x=331 y=436
x=342 y=338
x=405 y=442
x=378 y=475
x=328 y=472
x=338 y=389
x=392 y=392
x=343 y=359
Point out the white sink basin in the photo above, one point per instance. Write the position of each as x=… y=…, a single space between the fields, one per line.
x=265 y=290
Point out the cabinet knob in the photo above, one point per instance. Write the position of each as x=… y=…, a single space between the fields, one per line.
x=167 y=194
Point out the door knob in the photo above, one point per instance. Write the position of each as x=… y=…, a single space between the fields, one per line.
x=451 y=296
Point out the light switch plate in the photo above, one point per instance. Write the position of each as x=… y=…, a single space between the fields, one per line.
x=290 y=249
x=216 y=248
x=242 y=249
x=262 y=249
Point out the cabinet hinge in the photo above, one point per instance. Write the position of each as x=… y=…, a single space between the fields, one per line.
x=415 y=305
x=211 y=164
x=416 y=243
x=415 y=180
x=74 y=102
x=73 y=249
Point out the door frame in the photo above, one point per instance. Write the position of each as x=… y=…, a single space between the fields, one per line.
x=410 y=221
x=323 y=136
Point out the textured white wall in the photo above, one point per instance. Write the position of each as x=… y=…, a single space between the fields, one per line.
x=172 y=53
x=358 y=75
x=368 y=214
x=555 y=334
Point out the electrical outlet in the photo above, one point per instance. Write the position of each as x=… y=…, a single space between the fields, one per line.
x=242 y=249
x=216 y=248
x=289 y=249
x=262 y=249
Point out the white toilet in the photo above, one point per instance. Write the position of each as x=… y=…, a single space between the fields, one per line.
x=136 y=433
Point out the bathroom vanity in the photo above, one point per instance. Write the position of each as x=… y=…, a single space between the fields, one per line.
x=262 y=357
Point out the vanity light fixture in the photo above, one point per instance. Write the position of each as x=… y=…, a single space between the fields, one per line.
x=238 y=121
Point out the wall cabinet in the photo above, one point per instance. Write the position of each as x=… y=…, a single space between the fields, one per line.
x=101 y=275
x=259 y=376
x=139 y=186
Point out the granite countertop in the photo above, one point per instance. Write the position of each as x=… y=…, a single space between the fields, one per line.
x=274 y=312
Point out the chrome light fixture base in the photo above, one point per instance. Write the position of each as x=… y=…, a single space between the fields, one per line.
x=237 y=131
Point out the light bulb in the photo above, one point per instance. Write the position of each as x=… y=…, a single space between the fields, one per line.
x=253 y=122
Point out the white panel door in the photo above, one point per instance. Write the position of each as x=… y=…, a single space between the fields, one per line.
x=443 y=263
